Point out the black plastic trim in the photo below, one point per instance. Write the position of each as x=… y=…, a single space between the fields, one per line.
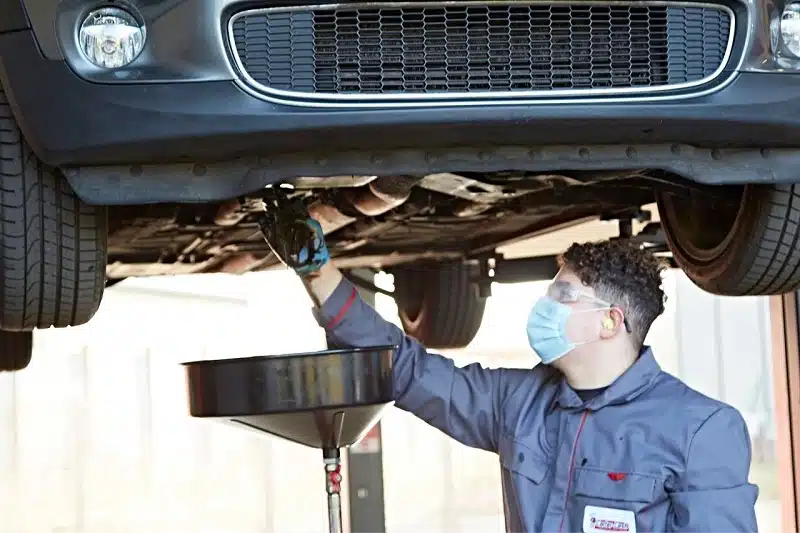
x=12 y=16
x=734 y=8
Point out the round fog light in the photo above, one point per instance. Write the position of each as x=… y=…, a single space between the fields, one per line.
x=111 y=37
x=790 y=28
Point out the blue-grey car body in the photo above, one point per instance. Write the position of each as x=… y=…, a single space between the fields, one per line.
x=649 y=445
x=183 y=101
x=204 y=47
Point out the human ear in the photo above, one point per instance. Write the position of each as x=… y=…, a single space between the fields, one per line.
x=610 y=323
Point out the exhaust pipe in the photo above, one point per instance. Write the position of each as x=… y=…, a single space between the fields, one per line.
x=377 y=196
x=380 y=196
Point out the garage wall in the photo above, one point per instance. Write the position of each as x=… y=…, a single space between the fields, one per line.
x=95 y=436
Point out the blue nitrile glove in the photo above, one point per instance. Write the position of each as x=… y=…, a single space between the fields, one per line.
x=316 y=248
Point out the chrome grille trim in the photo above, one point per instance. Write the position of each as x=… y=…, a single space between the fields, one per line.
x=427 y=99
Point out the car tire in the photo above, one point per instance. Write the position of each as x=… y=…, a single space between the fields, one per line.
x=16 y=349
x=53 y=253
x=748 y=245
x=439 y=304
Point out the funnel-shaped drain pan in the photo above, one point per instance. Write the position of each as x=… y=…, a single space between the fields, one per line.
x=327 y=399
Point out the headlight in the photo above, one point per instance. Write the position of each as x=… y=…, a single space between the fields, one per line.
x=790 y=28
x=111 y=37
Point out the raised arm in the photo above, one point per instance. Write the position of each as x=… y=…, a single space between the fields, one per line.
x=714 y=493
x=465 y=403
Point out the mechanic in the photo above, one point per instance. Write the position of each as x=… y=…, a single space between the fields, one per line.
x=597 y=438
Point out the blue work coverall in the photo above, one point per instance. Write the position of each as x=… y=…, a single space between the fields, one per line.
x=648 y=454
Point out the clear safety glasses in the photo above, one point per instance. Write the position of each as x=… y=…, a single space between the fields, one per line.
x=566 y=293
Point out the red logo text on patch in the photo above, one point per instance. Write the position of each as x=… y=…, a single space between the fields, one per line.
x=608 y=525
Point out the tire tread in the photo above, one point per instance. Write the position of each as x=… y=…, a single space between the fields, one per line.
x=775 y=268
x=53 y=251
x=452 y=310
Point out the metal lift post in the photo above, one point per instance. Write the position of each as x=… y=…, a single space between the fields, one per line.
x=365 y=465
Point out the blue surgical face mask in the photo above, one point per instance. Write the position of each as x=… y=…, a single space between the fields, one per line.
x=547 y=329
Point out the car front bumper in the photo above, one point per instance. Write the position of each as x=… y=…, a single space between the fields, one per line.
x=132 y=130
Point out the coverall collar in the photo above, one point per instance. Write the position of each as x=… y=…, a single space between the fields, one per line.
x=636 y=380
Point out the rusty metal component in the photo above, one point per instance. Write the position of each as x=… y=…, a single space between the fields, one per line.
x=238 y=264
x=469 y=189
x=229 y=214
x=466 y=208
x=330 y=218
x=362 y=195
x=332 y=182
x=380 y=196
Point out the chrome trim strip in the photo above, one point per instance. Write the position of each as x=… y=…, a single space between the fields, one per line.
x=296 y=98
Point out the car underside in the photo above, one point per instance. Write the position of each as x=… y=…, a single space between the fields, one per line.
x=438 y=234
x=380 y=222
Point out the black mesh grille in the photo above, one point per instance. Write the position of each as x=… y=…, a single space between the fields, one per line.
x=468 y=48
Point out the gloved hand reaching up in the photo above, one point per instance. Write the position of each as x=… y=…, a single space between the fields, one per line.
x=294 y=237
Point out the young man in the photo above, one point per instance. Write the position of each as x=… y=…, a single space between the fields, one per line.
x=596 y=438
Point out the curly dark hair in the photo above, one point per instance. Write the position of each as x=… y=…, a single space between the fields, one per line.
x=624 y=275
